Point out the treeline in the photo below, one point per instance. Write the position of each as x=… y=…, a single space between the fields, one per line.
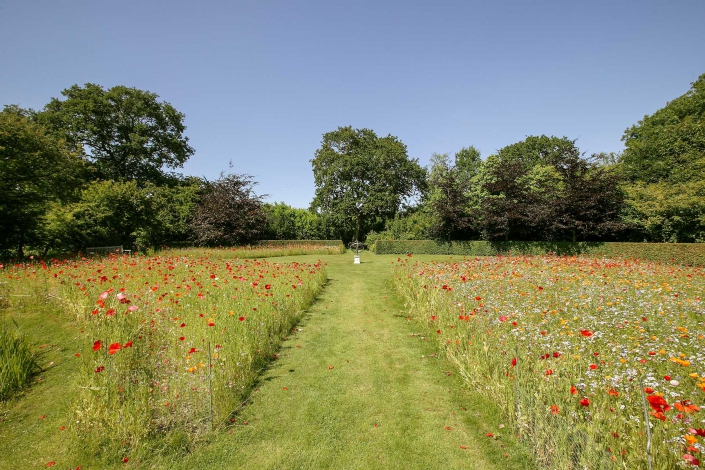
x=538 y=189
x=544 y=189
x=96 y=169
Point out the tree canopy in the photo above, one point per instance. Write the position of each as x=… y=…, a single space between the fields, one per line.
x=664 y=163
x=126 y=133
x=360 y=177
x=36 y=168
x=229 y=212
x=542 y=188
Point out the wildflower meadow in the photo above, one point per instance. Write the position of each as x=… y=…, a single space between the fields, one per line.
x=596 y=363
x=169 y=345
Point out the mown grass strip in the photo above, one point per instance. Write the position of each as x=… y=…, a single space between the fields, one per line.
x=356 y=388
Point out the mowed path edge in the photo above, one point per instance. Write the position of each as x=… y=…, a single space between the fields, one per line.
x=354 y=389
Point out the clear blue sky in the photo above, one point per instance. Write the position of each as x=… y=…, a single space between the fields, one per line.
x=260 y=82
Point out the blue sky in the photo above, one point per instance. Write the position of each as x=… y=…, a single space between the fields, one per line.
x=260 y=82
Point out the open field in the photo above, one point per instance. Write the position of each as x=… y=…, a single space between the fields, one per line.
x=578 y=352
x=162 y=349
x=553 y=350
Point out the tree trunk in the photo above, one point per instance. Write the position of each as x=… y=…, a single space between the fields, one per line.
x=20 y=245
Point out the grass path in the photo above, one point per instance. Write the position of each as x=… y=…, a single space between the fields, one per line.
x=355 y=389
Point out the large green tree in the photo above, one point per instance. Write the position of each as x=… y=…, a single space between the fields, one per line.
x=664 y=164
x=126 y=133
x=36 y=168
x=448 y=195
x=362 y=179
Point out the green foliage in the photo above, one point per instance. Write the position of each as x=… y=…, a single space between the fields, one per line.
x=229 y=213
x=361 y=178
x=35 y=169
x=675 y=253
x=286 y=243
x=410 y=226
x=125 y=132
x=17 y=363
x=172 y=209
x=448 y=200
x=541 y=188
x=108 y=213
x=288 y=223
x=664 y=163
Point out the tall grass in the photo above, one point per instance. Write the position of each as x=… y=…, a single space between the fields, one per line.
x=17 y=363
x=169 y=346
x=577 y=352
x=260 y=251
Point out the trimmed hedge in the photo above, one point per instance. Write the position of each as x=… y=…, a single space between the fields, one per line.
x=277 y=243
x=676 y=253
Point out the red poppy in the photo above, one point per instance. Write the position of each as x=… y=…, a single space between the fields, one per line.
x=97 y=345
x=127 y=345
x=667 y=378
x=268 y=286
x=584 y=402
x=478 y=298
x=549 y=372
x=556 y=354
x=51 y=464
x=99 y=369
x=182 y=325
x=658 y=403
x=555 y=410
x=210 y=323
x=181 y=338
x=241 y=318
x=613 y=392
x=593 y=366
x=573 y=390
x=113 y=348
x=192 y=350
x=125 y=460
x=514 y=361
x=648 y=390
x=586 y=333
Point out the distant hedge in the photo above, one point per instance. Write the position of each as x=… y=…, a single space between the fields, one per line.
x=675 y=253
x=299 y=242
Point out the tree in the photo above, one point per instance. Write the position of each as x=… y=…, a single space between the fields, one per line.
x=35 y=169
x=125 y=133
x=289 y=223
x=592 y=201
x=361 y=178
x=108 y=213
x=229 y=212
x=448 y=200
x=542 y=189
x=508 y=208
x=664 y=165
